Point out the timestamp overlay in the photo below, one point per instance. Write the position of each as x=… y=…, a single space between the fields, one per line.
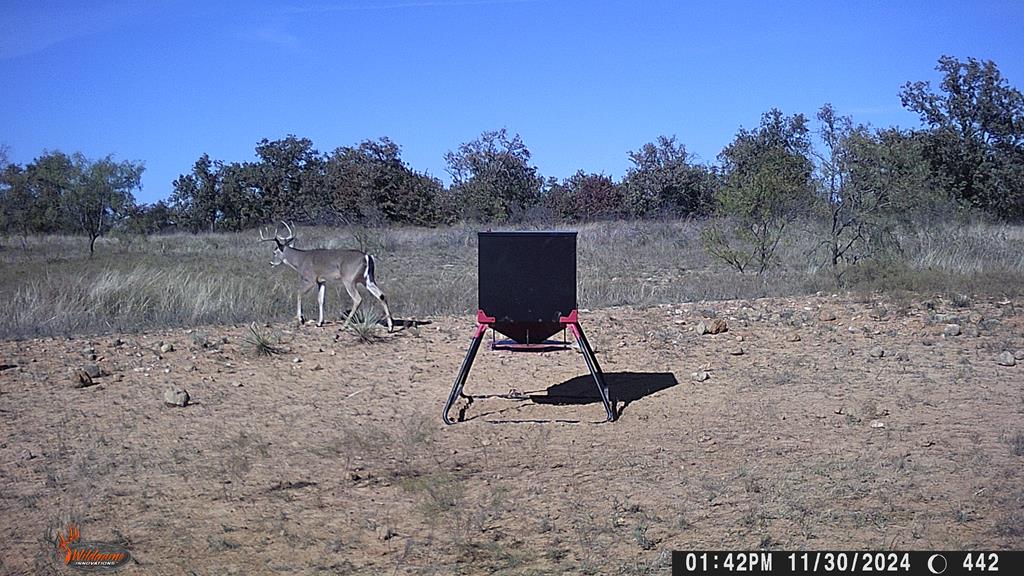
x=912 y=563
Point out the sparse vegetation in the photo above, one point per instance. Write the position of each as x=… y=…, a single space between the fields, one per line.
x=366 y=323
x=53 y=288
x=260 y=344
x=342 y=460
x=1017 y=444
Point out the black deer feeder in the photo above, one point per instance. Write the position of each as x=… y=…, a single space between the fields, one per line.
x=527 y=292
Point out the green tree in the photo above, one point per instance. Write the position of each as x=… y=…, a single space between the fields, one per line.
x=767 y=187
x=147 y=219
x=664 y=179
x=16 y=200
x=33 y=195
x=975 y=133
x=51 y=177
x=870 y=181
x=371 y=181
x=240 y=204
x=196 y=195
x=586 y=197
x=101 y=194
x=492 y=180
x=289 y=176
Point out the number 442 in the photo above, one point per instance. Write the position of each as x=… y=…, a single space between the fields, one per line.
x=982 y=562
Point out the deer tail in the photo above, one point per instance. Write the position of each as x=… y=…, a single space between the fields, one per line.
x=369 y=270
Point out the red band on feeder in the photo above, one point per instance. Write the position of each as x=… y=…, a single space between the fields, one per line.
x=483 y=323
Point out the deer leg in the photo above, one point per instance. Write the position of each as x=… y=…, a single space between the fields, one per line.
x=356 y=299
x=304 y=286
x=373 y=289
x=322 y=287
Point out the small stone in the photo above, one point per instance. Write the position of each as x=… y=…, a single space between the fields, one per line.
x=740 y=338
x=700 y=376
x=877 y=424
x=826 y=316
x=717 y=326
x=903 y=357
x=737 y=351
x=1006 y=359
x=167 y=347
x=92 y=370
x=972 y=331
x=951 y=330
x=1019 y=355
x=877 y=352
x=793 y=337
x=80 y=378
x=175 y=396
x=385 y=533
x=296 y=360
x=317 y=368
x=988 y=323
x=701 y=328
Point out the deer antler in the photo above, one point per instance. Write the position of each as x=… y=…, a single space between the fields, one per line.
x=291 y=234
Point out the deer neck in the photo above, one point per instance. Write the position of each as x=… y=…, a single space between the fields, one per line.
x=292 y=257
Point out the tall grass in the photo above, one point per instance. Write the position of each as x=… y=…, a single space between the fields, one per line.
x=49 y=286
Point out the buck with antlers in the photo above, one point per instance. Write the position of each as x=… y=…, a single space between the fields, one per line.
x=316 y=267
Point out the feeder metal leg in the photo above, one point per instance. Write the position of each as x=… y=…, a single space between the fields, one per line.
x=595 y=369
x=460 y=380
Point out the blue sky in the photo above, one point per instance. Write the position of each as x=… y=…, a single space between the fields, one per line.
x=583 y=83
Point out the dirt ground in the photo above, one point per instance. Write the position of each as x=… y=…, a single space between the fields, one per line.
x=824 y=422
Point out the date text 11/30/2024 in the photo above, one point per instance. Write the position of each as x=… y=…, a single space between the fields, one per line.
x=910 y=563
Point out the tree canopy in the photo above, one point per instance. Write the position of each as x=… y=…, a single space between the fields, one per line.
x=967 y=152
x=974 y=133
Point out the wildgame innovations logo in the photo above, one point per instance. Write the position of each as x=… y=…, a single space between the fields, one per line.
x=90 y=556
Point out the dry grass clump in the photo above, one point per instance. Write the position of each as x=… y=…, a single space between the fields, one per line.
x=366 y=324
x=261 y=344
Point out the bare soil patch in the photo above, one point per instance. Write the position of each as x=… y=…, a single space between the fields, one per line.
x=823 y=422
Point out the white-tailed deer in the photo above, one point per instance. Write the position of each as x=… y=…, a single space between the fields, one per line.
x=316 y=267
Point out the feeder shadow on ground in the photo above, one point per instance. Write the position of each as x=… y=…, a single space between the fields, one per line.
x=406 y=324
x=400 y=323
x=624 y=387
